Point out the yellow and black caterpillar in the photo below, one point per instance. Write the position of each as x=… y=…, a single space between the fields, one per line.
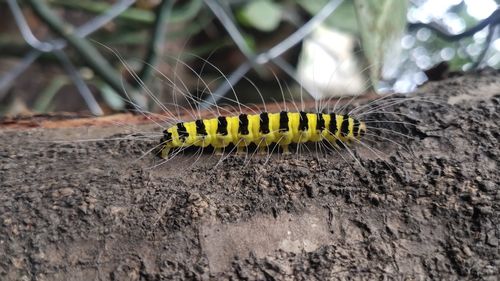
x=263 y=130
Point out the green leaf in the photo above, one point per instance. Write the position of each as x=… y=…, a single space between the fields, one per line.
x=343 y=18
x=181 y=13
x=381 y=25
x=111 y=97
x=264 y=15
x=46 y=96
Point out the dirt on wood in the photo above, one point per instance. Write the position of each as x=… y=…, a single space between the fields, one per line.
x=426 y=206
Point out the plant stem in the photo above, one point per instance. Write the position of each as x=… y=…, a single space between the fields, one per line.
x=89 y=54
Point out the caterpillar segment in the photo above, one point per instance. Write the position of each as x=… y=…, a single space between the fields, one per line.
x=264 y=129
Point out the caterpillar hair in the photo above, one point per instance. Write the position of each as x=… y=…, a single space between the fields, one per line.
x=240 y=130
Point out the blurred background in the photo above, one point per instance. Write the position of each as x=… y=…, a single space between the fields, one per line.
x=102 y=57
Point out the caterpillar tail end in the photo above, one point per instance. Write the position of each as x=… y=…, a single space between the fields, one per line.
x=164 y=152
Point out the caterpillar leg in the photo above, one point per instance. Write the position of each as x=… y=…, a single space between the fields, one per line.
x=285 y=149
x=218 y=151
x=263 y=150
x=241 y=150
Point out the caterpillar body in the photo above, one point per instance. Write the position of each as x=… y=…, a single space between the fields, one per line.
x=263 y=129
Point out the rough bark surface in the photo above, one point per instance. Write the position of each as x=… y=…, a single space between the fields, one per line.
x=84 y=210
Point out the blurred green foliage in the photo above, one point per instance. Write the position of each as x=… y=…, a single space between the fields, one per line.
x=381 y=26
x=182 y=13
x=264 y=15
x=376 y=24
x=343 y=18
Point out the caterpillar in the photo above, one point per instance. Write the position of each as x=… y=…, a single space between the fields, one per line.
x=264 y=129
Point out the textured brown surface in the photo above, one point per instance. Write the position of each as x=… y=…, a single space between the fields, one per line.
x=85 y=210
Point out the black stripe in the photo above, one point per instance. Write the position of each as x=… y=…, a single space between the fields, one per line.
x=303 y=122
x=333 y=124
x=181 y=130
x=222 y=125
x=243 y=127
x=167 y=137
x=200 y=128
x=264 y=123
x=344 y=129
x=283 y=121
x=355 y=128
x=320 y=124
